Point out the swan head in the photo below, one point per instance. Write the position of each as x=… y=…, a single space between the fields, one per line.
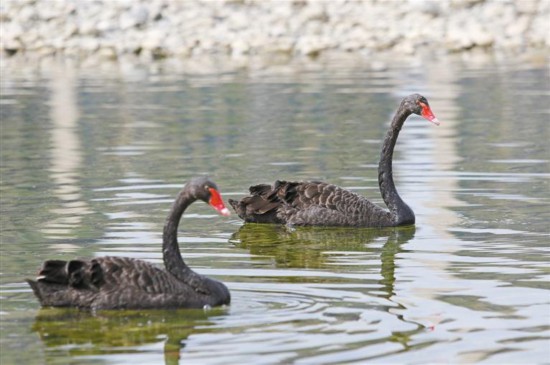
x=202 y=188
x=417 y=104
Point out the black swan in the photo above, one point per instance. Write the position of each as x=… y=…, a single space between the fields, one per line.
x=126 y=283
x=320 y=204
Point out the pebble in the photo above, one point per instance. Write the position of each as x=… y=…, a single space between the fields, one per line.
x=164 y=28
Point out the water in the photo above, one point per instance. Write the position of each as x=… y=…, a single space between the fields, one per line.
x=92 y=158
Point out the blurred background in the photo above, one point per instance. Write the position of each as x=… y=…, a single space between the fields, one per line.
x=156 y=29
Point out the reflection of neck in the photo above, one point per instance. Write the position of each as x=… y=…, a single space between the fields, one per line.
x=387 y=267
x=401 y=213
x=170 y=248
x=397 y=237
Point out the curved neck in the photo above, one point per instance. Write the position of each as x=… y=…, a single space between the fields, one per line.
x=401 y=213
x=170 y=248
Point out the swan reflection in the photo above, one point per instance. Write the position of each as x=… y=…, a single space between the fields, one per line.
x=149 y=335
x=338 y=249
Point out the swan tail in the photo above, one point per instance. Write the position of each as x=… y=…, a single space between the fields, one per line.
x=67 y=283
x=53 y=271
x=255 y=209
x=74 y=273
x=262 y=206
x=50 y=294
x=35 y=289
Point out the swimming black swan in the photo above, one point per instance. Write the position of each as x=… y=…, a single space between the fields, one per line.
x=320 y=204
x=126 y=283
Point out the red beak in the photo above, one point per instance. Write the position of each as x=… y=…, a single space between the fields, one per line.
x=427 y=114
x=216 y=202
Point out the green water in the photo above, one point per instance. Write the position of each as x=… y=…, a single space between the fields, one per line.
x=91 y=160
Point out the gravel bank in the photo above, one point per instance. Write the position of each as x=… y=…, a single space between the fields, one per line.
x=170 y=28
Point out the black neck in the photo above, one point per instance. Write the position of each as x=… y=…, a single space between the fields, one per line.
x=401 y=213
x=170 y=248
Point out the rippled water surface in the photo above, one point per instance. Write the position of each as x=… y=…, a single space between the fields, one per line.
x=91 y=160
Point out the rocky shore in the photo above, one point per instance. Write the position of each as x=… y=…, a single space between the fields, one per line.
x=169 y=28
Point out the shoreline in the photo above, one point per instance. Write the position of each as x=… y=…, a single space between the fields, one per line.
x=244 y=29
x=223 y=67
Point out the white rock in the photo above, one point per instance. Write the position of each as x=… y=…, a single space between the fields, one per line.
x=27 y=14
x=135 y=17
x=465 y=3
x=89 y=44
x=11 y=45
x=107 y=53
x=527 y=6
x=479 y=35
x=88 y=27
x=311 y=46
x=430 y=7
x=456 y=37
x=12 y=30
x=70 y=30
x=239 y=47
x=250 y=27
x=106 y=25
x=281 y=45
x=518 y=27
x=154 y=38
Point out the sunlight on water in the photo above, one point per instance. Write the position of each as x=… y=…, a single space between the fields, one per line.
x=92 y=163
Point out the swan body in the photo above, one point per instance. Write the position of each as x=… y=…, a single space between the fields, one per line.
x=126 y=283
x=317 y=203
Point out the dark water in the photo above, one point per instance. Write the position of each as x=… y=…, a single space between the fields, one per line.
x=92 y=158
